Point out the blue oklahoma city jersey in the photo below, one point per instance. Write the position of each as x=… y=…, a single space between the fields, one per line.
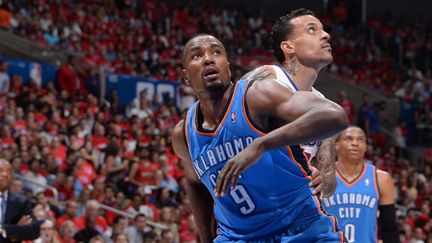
x=269 y=195
x=355 y=205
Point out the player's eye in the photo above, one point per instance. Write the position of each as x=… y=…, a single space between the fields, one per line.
x=311 y=30
x=217 y=52
x=196 y=55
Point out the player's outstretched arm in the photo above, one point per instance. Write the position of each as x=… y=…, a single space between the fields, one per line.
x=387 y=216
x=325 y=162
x=200 y=198
x=303 y=117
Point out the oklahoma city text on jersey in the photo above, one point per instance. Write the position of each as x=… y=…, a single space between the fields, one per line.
x=218 y=154
x=348 y=203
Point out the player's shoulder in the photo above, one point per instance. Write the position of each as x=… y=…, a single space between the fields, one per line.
x=269 y=68
x=177 y=131
x=384 y=178
x=260 y=73
x=315 y=91
x=179 y=140
x=268 y=87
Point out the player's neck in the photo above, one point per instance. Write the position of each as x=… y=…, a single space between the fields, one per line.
x=213 y=107
x=349 y=169
x=304 y=77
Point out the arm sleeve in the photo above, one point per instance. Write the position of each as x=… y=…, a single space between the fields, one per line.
x=387 y=221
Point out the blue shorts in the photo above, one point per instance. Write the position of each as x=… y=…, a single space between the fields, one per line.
x=323 y=229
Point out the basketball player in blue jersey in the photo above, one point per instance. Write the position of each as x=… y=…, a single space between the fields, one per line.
x=362 y=190
x=252 y=124
x=297 y=39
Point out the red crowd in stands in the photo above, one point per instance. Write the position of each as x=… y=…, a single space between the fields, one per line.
x=95 y=152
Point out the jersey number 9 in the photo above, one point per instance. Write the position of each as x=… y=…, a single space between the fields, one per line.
x=241 y=197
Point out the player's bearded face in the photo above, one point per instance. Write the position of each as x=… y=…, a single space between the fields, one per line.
x=207 y=67
x=312 y=43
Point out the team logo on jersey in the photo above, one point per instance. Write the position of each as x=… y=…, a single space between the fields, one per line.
x=367 y=182
x=233 y=117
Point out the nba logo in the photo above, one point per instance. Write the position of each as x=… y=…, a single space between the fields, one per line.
x=36 y=72
x=233 y=117
x=367 y=182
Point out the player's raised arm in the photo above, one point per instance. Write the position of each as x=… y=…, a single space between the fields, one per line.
x=200 y=198
x=289 y=117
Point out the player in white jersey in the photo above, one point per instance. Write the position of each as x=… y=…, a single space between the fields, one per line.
x=294 y=40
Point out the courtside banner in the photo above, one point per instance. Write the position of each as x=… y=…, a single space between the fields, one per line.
x=41 y=73
x=129 y=87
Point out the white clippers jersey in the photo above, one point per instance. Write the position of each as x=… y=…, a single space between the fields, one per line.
x=309 y=149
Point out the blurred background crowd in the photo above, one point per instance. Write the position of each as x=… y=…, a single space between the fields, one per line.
x=98 y=152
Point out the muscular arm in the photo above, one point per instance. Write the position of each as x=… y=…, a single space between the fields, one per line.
x=386 y=188
x=200 y=198
x=325 y=161
x=387 y=216
x=306 y=118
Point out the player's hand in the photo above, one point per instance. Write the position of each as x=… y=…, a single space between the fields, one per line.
x=317 y=180
x=235 y=166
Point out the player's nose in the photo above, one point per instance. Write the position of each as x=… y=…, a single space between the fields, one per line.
x=354 y=143
x=208 y=58
x=325 y=36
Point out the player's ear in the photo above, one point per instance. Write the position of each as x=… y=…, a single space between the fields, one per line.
x=287 y=47
x=186 y=77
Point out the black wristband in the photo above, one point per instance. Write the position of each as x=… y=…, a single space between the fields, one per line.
x=387 y=218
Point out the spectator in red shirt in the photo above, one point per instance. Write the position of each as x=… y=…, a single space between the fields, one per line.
x=99 y=139
x=65 y=191
x=189 y=234
x=84 y=172
x=5 y=16
x=70 y=213
x=68 y=77
x=98 y=185
x=143 y=171
x=92 y=211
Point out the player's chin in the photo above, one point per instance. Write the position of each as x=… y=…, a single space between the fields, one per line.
x=328 y=57
x=215 y=86
x=326 y=61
